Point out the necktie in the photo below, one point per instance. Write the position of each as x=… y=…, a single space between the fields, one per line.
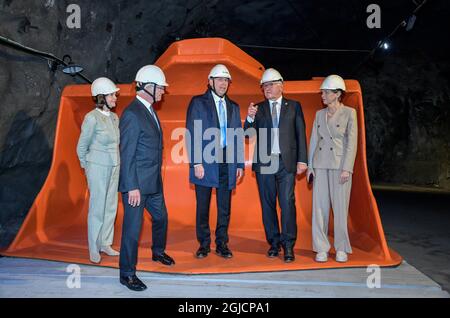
x=223 y=124
x=154 y=115
x=275 y=137
x=274 y=115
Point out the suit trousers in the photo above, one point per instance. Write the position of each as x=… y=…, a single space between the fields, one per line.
x=223 y=199
x=102 y=182
x=326 y=189
x=281 y=184
x=131 y=229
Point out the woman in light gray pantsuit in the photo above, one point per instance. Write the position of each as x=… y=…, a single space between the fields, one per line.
x=98 y=151
x=332 y=155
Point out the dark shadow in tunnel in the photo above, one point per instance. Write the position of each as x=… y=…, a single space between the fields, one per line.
x=25 y=159
x=417 y=225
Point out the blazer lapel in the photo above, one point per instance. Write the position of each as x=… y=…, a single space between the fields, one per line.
x=229 y=111
x=266 y=113
x=325 y=123
x=149 y=117
x=283 y=111
x=156 y=127
x=152 y=119
x=212 y=109
x=159 y=122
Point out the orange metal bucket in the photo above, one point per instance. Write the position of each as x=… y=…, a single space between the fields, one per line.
x=56 y=225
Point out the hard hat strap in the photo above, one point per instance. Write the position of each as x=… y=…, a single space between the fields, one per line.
x=107 y=105
x=104 y=101
x=142 y=87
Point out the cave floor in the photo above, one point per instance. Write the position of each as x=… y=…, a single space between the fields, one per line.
x=416 y=226
x=38 y=278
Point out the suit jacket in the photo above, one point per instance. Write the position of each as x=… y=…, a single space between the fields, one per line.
x=292 y=137
x=99 y=139
x=140 y=150
x=203 y=108
x=334 y=140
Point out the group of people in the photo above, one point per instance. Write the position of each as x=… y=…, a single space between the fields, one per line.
x=126 y=155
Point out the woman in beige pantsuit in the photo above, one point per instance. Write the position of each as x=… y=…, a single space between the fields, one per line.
x=332 y=155
x=98 y=151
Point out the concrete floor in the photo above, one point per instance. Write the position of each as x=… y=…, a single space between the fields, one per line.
x=38 y=278
x=416 y=225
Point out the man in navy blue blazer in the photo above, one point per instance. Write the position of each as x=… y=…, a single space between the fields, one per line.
x=216 y=148
x=140 y=174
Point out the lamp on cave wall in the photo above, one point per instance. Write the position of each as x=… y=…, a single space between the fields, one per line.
x=68 y=67
x=71 y=68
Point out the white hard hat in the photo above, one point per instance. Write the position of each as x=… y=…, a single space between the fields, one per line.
x=271 y=75
x=333 y=82
x=104 y=86
x=151 y=74
x=219 y=70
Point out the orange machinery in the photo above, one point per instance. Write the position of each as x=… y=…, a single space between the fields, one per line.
x=55 y=227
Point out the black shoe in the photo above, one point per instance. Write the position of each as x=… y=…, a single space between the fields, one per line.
x=289 y=254
x=202 y=252
x=163 y=259
x=274 y=251
x=133 y=283
x=223 y=251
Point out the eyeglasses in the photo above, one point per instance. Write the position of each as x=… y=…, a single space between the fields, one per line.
x=221 y=79
x=161 y=87
x=269 y=84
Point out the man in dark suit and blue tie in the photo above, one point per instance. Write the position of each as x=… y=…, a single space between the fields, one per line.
x=220 y=168
x=279 y=156
x=140 y=179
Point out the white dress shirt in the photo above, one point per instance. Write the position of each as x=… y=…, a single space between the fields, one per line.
x=276 y=142
x=106 y=113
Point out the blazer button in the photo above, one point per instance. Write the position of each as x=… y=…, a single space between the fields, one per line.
x=337 y=125
x=331 y=137
x=331 y=149
x=318 y=126
x=321 y=137
x=320 y=148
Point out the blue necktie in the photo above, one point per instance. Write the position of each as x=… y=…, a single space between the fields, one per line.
x=223 y=124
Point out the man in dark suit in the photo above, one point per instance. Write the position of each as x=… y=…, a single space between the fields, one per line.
x=220 y=168
x=280 y=155
x=140 y=174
